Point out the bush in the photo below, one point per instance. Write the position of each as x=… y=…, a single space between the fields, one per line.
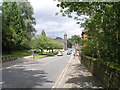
x=89 y=49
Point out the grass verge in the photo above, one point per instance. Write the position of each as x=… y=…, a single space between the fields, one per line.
x=19 y=54
x=14 y=55
x=43 y=55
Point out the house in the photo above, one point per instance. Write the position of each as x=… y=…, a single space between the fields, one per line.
x=84 y=36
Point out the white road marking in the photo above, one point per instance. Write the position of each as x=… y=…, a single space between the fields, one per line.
x=1 y=82
x=62 y=75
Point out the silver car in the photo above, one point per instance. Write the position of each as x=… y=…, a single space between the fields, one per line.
x=59 y=54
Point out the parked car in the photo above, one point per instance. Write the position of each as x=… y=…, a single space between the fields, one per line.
x=69 y=52
x=59 y=54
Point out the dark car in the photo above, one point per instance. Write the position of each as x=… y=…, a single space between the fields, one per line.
x=69 y=53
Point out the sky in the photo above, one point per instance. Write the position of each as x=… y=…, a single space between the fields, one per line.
x=53 y=25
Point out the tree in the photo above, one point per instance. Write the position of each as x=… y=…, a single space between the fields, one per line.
x=44 y=42
x=102 y=26
x=69 y=43
x=76 y=38
x=17 y=25
x=43 y=33
x=58 y=38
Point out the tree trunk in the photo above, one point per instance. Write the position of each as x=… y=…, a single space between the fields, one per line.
x=41 y=51
x=52 y=50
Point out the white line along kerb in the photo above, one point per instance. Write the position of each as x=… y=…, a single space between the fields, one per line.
x=58 y=82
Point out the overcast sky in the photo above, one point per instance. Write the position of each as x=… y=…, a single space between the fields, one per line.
x=53 y=25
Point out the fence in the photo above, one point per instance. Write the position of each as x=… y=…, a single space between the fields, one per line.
x=8 y=57
x=109 y=76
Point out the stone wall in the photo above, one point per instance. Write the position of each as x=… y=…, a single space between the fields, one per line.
x=108 y=76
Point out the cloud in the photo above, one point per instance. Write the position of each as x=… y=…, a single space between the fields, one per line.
x=53 y=25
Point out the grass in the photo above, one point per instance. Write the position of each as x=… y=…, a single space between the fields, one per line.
x=43 y=55
x=38 y=56
x=17 y=54
x=22 y=54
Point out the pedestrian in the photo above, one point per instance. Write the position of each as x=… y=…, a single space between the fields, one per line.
x=74 y=55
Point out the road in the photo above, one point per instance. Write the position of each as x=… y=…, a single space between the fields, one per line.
x=42 y=73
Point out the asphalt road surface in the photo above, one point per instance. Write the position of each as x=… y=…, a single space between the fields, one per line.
x=42 y=73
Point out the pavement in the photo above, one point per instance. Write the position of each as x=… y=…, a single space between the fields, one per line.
x=77 y=76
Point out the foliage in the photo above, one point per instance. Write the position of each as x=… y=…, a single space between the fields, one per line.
x=102 y=26
x=58 y=38
x=69 y=43
x=74 y=39
x=44 y=42
x=17 y=25
x=15 y=54
x=89 y=49
x=43 y=33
